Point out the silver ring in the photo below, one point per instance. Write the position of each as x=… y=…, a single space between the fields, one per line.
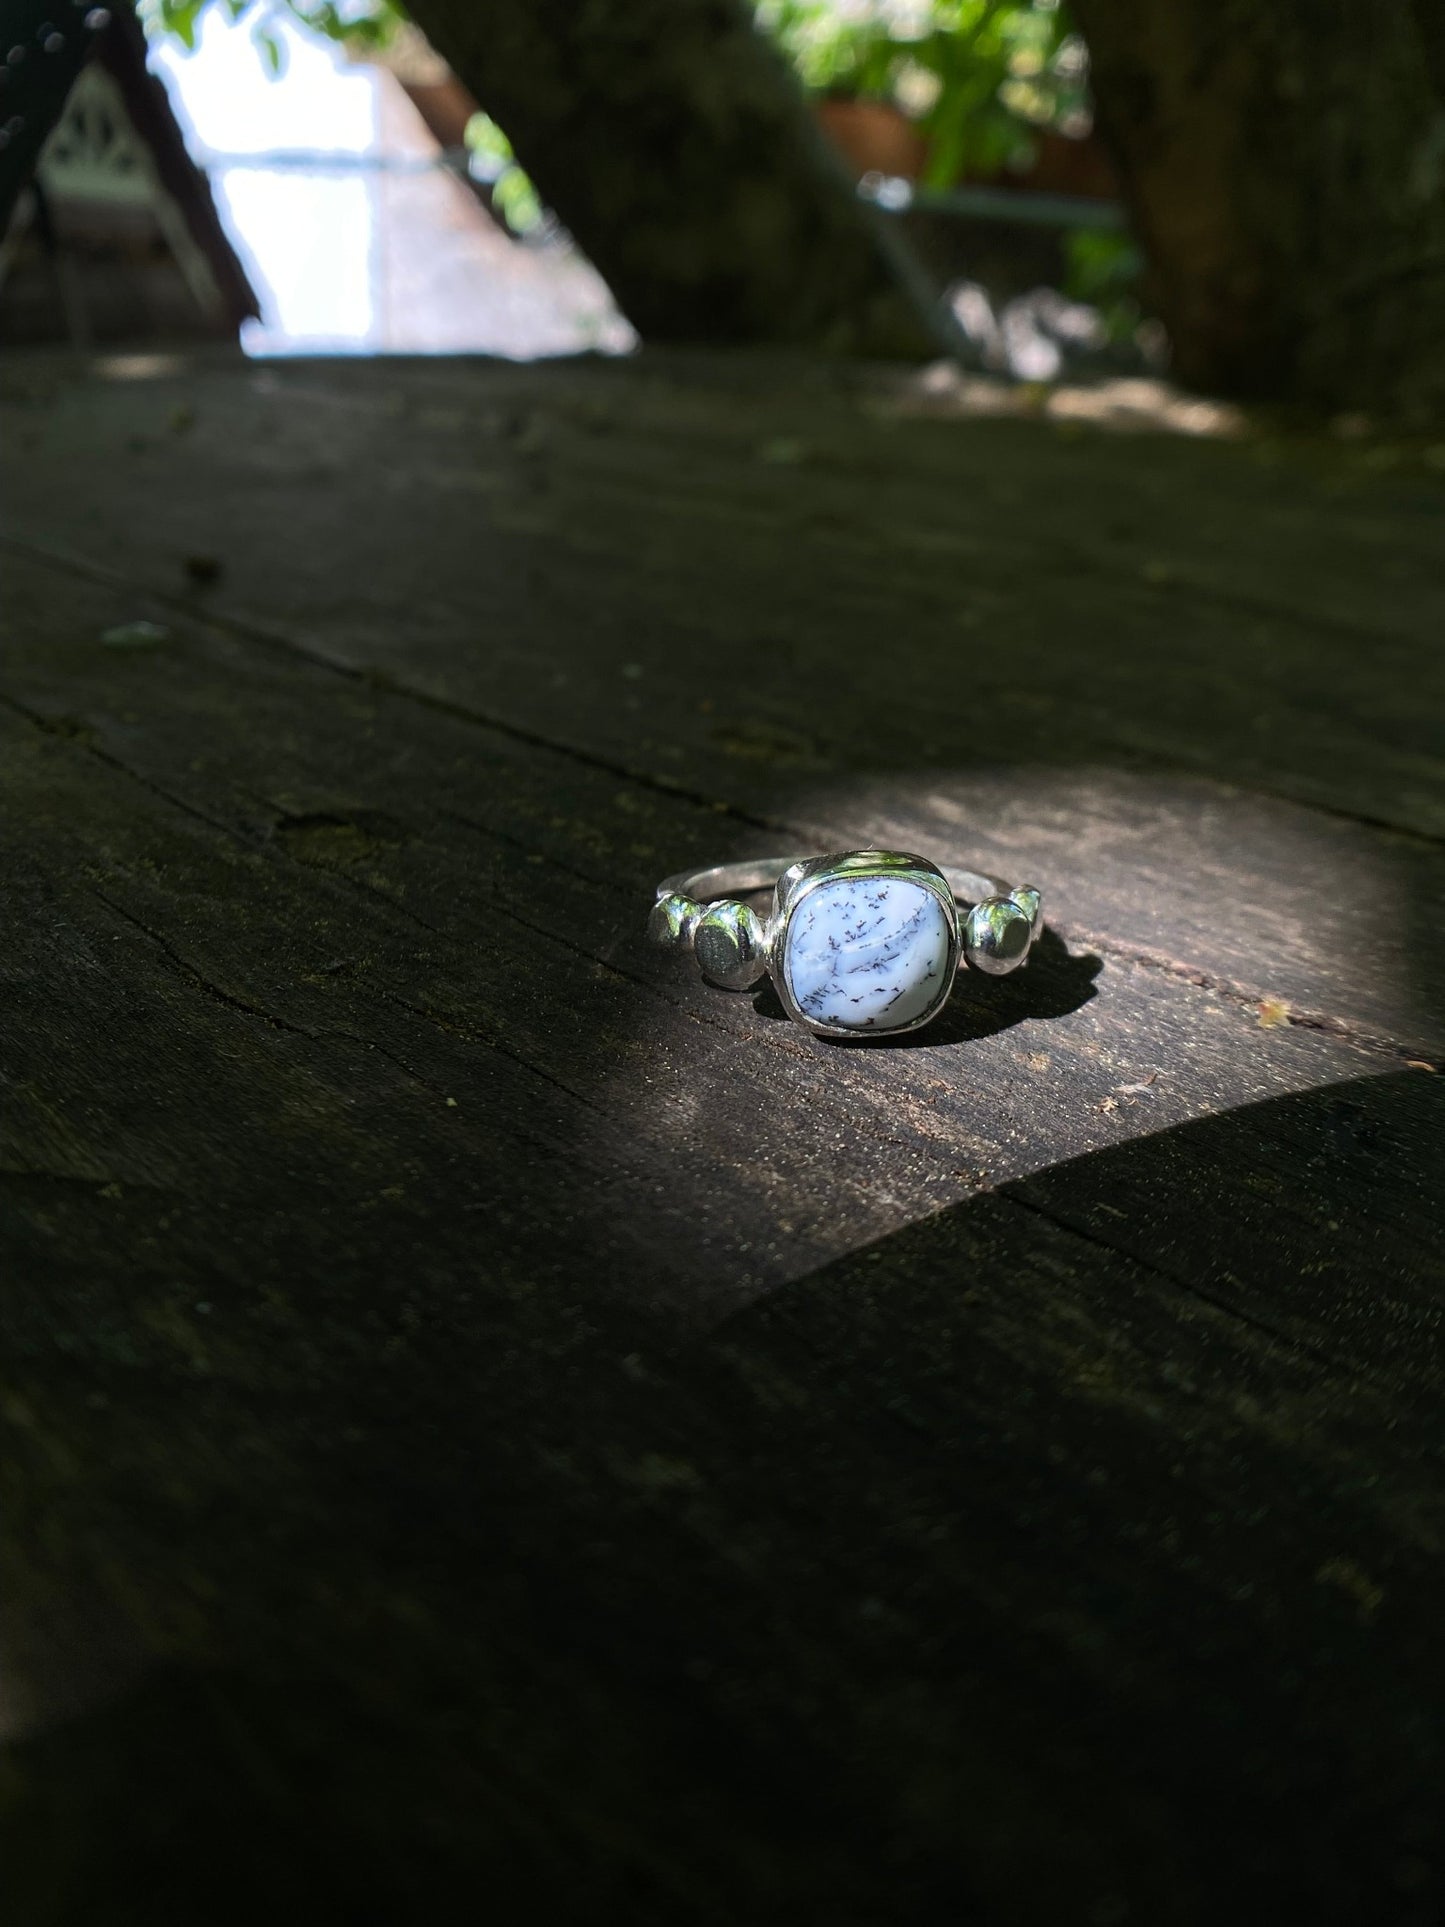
x=866 y=943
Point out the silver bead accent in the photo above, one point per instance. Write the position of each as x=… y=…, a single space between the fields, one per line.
x=996 y=935
x=670 y=920
x=1031 y=902
x=730 y=946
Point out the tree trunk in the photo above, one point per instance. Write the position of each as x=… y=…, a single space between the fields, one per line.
x=675 y=145
x=1285 y=164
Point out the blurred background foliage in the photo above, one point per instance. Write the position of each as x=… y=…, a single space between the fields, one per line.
x=979 y=79
x=366 y=25
x=512 y=193
x=977 y=84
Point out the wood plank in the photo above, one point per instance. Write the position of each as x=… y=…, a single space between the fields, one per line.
x=754 y=713
x=1259 y=897
x=490 y=1416
x=444 y=851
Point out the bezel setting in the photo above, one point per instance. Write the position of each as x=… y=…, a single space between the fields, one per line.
x=985 y=923
x=804 y=879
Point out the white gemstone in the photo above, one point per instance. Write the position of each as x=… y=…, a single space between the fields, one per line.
x=867 y=952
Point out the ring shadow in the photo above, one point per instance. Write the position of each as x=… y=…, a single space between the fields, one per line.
x=1053 y=983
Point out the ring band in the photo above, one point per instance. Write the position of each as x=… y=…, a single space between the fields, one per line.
x=867 y=942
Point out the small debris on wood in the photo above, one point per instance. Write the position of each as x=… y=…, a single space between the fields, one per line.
x=1355 y=1583
x=135 y=635
x=661 y=1472
x=1273 y=1012
x=525 y=432
x=203 y=569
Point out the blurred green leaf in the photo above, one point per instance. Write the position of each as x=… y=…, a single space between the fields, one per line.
x=1105 y=268
x=367 y=25
x=268 y=45
x=513 y=195
x=980 y=79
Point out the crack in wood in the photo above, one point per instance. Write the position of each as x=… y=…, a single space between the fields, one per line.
x=467 y=1036
x=202 y=982
x=1017 y=1194
x=86 y=743
x=1231 y=992
x=250 y=629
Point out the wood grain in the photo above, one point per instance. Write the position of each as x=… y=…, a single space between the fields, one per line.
x=492 y=1420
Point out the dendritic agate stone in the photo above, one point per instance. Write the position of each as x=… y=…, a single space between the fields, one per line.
x=868 y=953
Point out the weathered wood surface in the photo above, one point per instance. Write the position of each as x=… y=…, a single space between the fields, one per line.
x=489 y=1419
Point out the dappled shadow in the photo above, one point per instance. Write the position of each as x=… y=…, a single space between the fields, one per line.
x=1129 y=1466
x=543 y=1430
x=1201 y=952
x=992 y=1572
